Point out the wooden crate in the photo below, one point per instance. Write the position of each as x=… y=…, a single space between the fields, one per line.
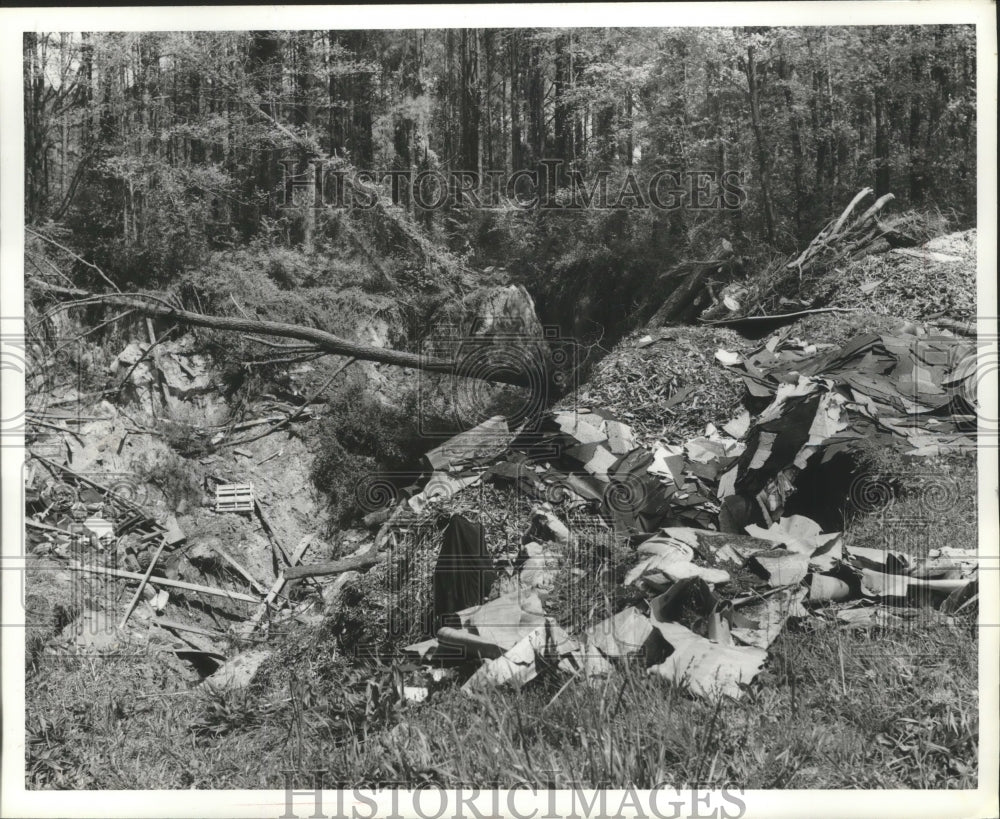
x=234 y=497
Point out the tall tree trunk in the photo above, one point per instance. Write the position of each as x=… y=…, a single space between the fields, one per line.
x=362 y=96
x=303 y=112
x=762 y=150
x=265 y=65
x=488 y=38
x=194 y=113
x=629 y=128
x=881 y=144
x=535 y=104
x=833 y=146
x=967 y=165
x=34 y=136
x=913 y=131
x=785 y=72
x=562 y=112
x=470 y=101
x=338 y=90
x=514 y=57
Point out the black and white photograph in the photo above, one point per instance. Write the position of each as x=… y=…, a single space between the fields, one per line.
x=409 y=413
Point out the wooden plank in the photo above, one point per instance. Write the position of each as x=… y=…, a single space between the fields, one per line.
x=232 y=562
x=269 y=531
x=142 y=584
x=174 y=625
x=46 y=527
x=276 y=588
x=164 y=581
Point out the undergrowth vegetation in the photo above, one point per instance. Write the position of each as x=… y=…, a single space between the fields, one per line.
x=367 y=448
x=173 y=195
x=889 y=706
x=170 y=473
x=880 y=709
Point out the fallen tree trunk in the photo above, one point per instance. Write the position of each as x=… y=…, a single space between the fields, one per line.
x=691 y=280
x=679 y=303
x=840 y=239
x=363 y=561
x=472 y=367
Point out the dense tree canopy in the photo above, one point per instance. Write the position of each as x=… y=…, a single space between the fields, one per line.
x=153 y=147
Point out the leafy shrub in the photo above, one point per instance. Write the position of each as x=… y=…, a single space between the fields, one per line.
x=164 y=214
x=184 y=439
x=363 y=438
x=173 y=476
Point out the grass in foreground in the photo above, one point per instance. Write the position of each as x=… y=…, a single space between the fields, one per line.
x=835 y=708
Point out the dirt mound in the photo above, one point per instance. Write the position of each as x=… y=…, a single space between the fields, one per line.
x=934 y=280
x=666 y=384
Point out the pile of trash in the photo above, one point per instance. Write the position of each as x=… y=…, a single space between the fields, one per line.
x=67 y=508
x=911 y=390
x=719 y=567
x=697 y=627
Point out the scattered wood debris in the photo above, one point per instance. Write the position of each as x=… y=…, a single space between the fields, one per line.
x=234 y=497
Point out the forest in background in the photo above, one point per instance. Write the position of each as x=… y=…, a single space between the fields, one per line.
x=148 y=151
x=155 y=162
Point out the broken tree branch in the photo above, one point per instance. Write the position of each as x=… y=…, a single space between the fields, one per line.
x=271 y=535
x=327 y=342
x=240 y=569
x=276 y=588
x=781 y=316
x=45 y=527
x=876 y=207
x=76 y=256
x=153 y=350
x=196 y=643
x=359 y=560
x=298 y=413
x=148 y=351
x=362 y=561
x=121 y=315
x=38 y=422
x=847 y=211
x=284 y=347
x=965 y=328
x=256 y=422
x=175 y=626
